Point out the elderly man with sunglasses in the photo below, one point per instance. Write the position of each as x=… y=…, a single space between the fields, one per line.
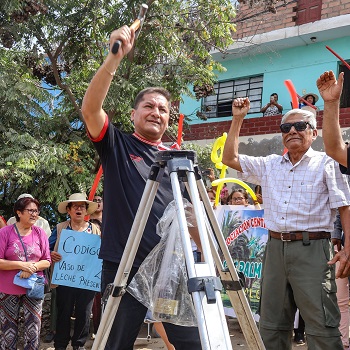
x=302 y=190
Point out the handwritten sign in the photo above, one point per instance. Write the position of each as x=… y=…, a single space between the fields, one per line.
x=80 y=266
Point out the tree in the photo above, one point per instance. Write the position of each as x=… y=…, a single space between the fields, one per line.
x=50 y=51
x=270 y=5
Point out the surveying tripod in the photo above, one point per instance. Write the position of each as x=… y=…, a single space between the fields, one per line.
x=203 y=284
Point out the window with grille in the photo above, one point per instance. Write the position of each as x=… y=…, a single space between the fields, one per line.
x=220 y=104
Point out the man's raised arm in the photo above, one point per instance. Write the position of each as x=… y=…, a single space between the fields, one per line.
x=330 y=90
x=240 y=108
x=92 y=111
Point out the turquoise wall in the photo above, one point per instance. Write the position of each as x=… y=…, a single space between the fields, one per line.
x=302 y=65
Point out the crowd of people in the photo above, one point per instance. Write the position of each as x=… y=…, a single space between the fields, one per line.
x=302 y=190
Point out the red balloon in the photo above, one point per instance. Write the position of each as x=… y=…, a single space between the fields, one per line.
x=292 y=92
x=95 y=184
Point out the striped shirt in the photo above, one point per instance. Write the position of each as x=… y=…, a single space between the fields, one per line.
x=300 y=197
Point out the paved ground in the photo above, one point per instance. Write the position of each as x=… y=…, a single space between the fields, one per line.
x=142 y=343
x=237 y=340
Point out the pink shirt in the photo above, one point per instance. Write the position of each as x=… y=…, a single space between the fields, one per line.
x=37 y=246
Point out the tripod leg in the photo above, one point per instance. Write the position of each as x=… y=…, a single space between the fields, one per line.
x=210 y=314
x=125 y=265
x=231 y=280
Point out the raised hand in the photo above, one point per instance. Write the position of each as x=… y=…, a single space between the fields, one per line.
x=330 y=89
x=126 y=36
x=240 y=107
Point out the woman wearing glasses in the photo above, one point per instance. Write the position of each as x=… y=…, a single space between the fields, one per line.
x=23 y=247
x=69 y=299
x=40 y=221
x=238 y=196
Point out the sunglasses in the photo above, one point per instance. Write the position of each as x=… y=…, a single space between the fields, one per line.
x=299 y=126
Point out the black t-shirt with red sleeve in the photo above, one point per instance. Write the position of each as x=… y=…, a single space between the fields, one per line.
x=126 y=162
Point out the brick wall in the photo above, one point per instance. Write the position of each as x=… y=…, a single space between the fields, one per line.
x=259 y=20
x=335 y=8
x=253 y=126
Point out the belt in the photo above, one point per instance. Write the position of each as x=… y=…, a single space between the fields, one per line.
x=298 y=235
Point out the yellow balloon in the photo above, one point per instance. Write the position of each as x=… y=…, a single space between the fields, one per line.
x=219 y=145
x=216 y=158
x=219 y=182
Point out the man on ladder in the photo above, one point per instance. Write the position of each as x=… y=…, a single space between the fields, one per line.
x=126 y=161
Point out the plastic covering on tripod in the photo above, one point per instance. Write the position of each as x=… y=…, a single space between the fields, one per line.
x=161 y=281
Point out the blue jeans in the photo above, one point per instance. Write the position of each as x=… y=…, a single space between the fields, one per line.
x=131 y=314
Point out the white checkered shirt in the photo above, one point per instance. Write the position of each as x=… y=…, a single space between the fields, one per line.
x=300 y=197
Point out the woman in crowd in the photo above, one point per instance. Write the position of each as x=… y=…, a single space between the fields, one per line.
x=71 y=299
x=238 y=196
x=224 y=194
x=310 y=97
x=23 y=247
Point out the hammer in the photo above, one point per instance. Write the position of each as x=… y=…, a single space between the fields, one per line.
x=137 y=26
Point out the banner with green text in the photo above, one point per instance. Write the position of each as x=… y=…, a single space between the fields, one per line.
x=246 y=236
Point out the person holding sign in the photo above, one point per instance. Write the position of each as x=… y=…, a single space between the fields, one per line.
x=302 y=190
x=126 y=160
x=70 y=299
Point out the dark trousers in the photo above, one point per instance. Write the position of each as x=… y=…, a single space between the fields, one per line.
x=131 y=314
x=68 y=300
x=301 y=326
x=53 y=310
x=96 y=311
